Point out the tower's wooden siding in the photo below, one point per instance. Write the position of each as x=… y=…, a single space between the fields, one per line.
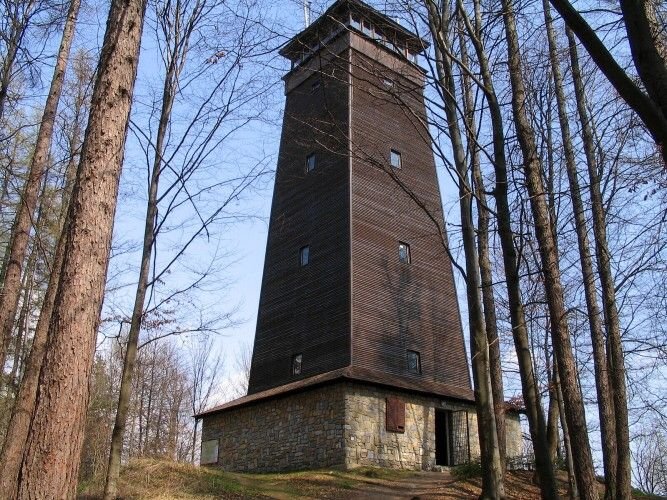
x=306 y=309
x=355 y=304
x=398 y=307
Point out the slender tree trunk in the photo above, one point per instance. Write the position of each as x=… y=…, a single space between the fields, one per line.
x=574 y=411
x=612 y=323
x=605 y=404
x=492 y=473
x=22 y=326
x=113 y=470
x=567 y=442
x=52 y=453
x=18 y=243
x=530 y=392
x=554 y=413
x=485 y=269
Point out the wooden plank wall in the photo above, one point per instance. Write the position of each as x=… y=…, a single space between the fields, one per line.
x=395 y=306
x=306 y=309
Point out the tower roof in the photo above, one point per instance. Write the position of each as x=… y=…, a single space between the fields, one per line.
x=357 y=16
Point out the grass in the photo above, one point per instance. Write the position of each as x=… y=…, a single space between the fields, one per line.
x=161 y=480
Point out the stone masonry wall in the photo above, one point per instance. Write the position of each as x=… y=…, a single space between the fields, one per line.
x=299 y=431
x=367 y=442
x=342 y=424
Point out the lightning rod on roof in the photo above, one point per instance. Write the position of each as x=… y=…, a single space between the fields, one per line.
x=306 y=13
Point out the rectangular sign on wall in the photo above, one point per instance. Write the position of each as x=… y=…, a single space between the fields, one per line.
x=209 y=452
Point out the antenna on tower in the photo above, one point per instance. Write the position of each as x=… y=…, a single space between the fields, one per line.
x=306 y=13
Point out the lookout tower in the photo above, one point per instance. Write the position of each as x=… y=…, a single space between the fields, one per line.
x=359 y=356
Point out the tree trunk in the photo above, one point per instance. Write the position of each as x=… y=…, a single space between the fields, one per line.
x=554 y=413
x=18 y=243
x=113 y=470
x=530 y=392
x=485 y=269
x=53 y=448
x=612 y=323
x=574 y=412
x=19 y=423
x=646 y=55
x=567 y=442
x=605 y=404
x=492 y=473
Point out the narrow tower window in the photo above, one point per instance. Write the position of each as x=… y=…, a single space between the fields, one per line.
x=414 y=362
x=310 y=162
x=296 y=364
x=304 y=255
x=403 y=252
x=395 y=159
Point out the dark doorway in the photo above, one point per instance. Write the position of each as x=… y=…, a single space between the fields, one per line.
x=443 y=437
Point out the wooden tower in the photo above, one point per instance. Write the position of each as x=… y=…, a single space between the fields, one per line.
x=357 y=282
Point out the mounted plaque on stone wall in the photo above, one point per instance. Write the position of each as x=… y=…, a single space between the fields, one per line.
x=209 y=452
x=395 y=415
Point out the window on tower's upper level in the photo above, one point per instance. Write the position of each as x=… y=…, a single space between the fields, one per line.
x=296 y=364
x=304 y=256
x=395 y=158
x=414 y=362
x=311 y=161
x=403 y=252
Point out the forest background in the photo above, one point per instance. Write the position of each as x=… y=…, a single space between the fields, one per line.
x=220 y=149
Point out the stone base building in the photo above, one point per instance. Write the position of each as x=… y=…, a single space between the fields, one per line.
x=341 y=420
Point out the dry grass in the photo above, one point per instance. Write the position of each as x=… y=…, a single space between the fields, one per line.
x=156 y=479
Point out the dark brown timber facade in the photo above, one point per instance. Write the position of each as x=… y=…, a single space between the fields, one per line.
x=377 y=288
x=359 y=356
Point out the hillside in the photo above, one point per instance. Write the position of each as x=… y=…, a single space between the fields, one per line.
x=154 y=479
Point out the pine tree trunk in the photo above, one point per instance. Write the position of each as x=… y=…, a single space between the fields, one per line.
x=19 y=423
x=612 y=323
x=567 y=368
x=492 y=473
x=53 y=448
x=530 y=392
x=605 y=404
x=18 y=243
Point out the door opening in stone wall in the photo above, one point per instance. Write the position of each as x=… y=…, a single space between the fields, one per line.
x=443 y=438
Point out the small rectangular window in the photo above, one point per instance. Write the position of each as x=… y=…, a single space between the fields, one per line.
x=310 y=162
x=316 y=85
x=414 y=362
x=304 y=255
x=403 y=252
x=395 y=158
x=296 y=364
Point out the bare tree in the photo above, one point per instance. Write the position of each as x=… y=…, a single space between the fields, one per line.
x=605 y=404
x=647 y=45
x=205 y=365
x=574 y=411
